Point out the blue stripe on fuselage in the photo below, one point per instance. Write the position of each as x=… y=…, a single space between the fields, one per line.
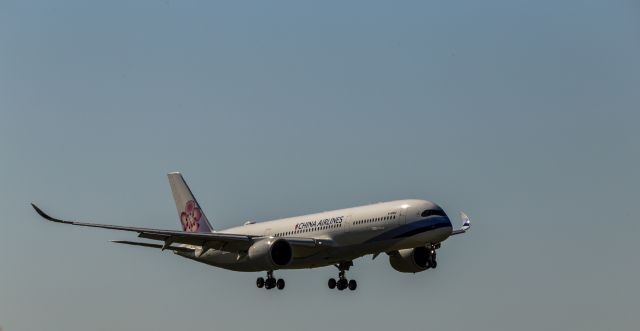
x=413 y=228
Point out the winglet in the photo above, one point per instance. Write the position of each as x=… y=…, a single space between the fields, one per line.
x=467 y=222
x=47 y=217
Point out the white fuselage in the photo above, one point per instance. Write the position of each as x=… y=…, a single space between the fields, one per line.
x=349 y=233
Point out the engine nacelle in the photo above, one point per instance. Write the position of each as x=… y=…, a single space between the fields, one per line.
x=271 y=253
x=410 y=260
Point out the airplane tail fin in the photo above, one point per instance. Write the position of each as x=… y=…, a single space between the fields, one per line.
x=192 y=217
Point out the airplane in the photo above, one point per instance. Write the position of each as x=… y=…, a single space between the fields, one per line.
x=408 y=231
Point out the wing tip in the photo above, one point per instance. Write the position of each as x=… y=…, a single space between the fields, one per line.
x=40 y=212
x=466 y=221
x=45 y=215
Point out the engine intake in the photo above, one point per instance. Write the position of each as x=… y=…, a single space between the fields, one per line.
x=410 y=260
x=271 y=253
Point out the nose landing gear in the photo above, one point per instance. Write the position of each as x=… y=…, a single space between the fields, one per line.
x=342 y=282
x=270 y=282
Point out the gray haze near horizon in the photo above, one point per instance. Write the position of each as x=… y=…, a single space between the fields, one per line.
x=524 y=114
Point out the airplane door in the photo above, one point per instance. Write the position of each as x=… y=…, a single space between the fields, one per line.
x=348 y=223
x=402 y=215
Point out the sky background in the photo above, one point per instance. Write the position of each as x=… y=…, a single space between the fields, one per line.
x=524 y=114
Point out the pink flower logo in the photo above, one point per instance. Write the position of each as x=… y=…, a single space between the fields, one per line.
x=190 y=217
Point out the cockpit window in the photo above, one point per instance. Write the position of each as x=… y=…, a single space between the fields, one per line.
x=432 y=212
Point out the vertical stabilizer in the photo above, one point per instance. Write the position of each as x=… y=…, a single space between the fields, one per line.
x=192 y=218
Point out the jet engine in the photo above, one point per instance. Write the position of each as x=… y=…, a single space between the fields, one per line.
x=271 y=253
x=410 y=260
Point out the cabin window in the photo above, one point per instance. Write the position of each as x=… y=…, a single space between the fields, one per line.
x=430 y=212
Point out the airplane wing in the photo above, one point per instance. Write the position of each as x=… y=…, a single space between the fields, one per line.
x=221 y=241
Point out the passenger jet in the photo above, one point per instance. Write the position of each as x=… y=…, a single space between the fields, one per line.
x=408 y=231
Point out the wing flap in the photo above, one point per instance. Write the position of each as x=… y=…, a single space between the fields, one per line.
x=143 y=244
x=309 y=242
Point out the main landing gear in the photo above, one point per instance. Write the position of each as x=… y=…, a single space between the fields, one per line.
x=342 y=282
x=270 y=282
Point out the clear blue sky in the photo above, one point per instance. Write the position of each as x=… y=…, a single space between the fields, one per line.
x=522 y=113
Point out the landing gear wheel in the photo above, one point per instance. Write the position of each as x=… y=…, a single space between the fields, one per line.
x=431 y=257
x=332 y=283
x=340 y=286
x=270 y=283
x=342 y=282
